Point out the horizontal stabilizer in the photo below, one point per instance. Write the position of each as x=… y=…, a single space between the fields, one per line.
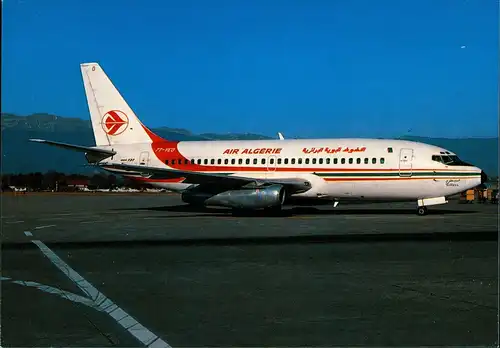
x=93 y=153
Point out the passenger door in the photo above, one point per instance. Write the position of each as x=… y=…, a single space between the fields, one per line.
x=405 y=162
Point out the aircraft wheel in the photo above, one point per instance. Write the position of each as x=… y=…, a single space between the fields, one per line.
x=421 y=211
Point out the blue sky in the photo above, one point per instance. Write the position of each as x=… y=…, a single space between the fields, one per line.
x=306 y=68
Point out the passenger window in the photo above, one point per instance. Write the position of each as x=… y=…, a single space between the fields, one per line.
x=192 y=161
x=358 y=160
x=255 y=161
x=180 y=161
x=299 y=160
x=293 y=160
x=335 y=161
x=279 y=160
x=219 y=161
x=366 y=160
x=166 y=161
x=233 y=161
x=286 y=160
x=186 y=161
x=307 y=160
x=342 y=161
x=240 y=161
x=382 y=160
x=247 y=161
x=263 y=161
x=320 y=161
x=226 y=161
x=173 y=161
x=374 y=160
x=271 y=161
x=314 y=161
x=327 y=161
x=351 y=160
x=199 y=160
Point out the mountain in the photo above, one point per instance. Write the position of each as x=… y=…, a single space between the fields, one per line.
x=21 y=156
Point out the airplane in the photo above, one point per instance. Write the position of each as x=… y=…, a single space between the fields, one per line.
x=266 y=174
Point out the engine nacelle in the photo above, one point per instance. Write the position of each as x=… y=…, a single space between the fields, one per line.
x=251 y=198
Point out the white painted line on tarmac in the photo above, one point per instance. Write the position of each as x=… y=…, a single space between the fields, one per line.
x=28 y=233
x=15 y=222
x=141 y=333
x=91 y=222
x=51 y=290
x=44 y=226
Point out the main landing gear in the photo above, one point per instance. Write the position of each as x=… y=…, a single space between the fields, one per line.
x=421 y=211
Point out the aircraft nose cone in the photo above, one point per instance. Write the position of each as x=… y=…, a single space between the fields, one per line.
x=484 y=177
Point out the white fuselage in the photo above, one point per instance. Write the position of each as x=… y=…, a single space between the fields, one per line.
x=337 y=168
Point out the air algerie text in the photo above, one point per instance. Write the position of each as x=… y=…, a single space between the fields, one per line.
x=257 y=151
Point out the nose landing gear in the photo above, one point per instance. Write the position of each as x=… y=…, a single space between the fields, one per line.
x=423 y=203
x=421 y=211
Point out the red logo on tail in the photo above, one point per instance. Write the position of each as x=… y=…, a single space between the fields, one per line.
x=114 y=122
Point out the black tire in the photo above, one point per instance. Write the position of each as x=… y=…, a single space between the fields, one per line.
x=421 y=211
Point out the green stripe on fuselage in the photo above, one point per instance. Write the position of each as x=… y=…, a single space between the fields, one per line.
x=394 y=174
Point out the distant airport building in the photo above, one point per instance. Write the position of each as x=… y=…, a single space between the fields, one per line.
x=78 y=184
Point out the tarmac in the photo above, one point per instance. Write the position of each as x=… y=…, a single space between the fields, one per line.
x=134 y=270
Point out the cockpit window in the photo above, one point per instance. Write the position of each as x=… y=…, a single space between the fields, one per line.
x=450 y=160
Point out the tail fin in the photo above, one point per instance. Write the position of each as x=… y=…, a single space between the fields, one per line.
x=113 y=121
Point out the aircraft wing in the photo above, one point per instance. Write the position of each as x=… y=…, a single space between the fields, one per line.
x=295 y=185
x=93 y=153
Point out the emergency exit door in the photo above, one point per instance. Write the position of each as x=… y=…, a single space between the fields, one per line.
x=144 y=158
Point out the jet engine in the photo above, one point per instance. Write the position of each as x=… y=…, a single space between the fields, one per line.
x=251 y=198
